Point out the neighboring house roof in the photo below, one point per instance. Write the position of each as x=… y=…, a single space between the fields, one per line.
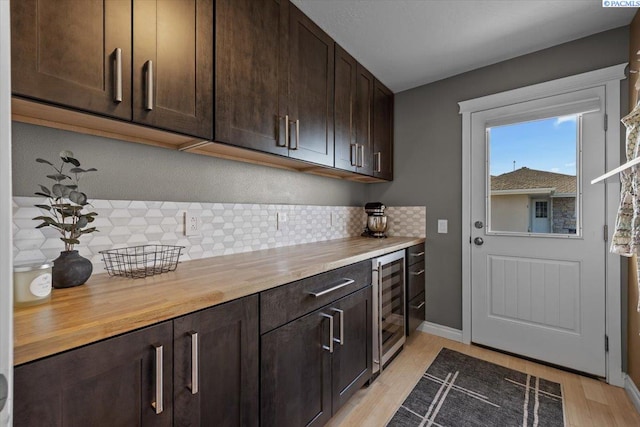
x=525 y=180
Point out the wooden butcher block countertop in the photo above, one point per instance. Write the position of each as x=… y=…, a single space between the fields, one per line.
x=108 y=306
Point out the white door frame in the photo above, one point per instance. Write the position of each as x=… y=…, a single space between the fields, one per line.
x=610 y=78
x=6 y=258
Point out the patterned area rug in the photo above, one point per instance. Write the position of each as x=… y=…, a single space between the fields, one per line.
x=460 y=390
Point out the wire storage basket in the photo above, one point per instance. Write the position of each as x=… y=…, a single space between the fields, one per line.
x=141 y=261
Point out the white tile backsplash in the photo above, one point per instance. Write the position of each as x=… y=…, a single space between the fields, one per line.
x=227 y=228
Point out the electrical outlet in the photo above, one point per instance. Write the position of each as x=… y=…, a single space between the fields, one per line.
x=192 y=224
x=281 y=219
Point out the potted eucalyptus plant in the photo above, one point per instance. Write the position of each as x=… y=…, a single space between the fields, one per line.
x=65 y=212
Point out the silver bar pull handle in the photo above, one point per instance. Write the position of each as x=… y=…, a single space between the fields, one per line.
x=148 y=105
x=419 y=306
x=330 y=346
x=345 y=282
x=117 y=75
x=379 y=161
x=341 y=313
x=418 y=254
x=195 y=368
x=416 y=273
x=297 y=124
x=361 y=164
x=285 y=143
x=158 y=404
x=353 y=159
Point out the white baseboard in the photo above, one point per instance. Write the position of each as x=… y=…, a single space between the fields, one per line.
x=632 y=391
x=441 y=331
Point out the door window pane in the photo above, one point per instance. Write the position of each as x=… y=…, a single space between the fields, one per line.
x=533 y=182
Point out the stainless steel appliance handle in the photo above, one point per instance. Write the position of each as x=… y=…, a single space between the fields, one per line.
x=195 y=362
x=330 y=346
x=380 y=314
x=361 y=164
x=341 y=339
x=419 y=306
x=416 y=273
x=117 y=75
x=345 y=282
x=418 y=254
x=158 y=404
x=148 y=105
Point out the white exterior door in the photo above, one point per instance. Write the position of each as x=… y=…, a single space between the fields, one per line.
x=542 y=295
x=539 y=214
x=6 y=299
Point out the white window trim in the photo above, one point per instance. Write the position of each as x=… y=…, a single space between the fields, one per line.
x=610 y=78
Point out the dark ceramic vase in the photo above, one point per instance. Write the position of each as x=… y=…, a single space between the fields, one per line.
x=70 y=269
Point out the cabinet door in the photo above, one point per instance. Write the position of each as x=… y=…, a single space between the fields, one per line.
x=311 y=77
x=65 y=52
x=111 y=383
x=345 y=111
x=251 y=77
x=364 y=111
x=173 y=65
x=352 y=354
x=382 y=131
x=415 y=313
x=296 y=373
x=219 y=387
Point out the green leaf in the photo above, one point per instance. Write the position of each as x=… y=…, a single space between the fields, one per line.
x=46 y=219
x=58 y=177
x=77 y=170
x=82 y=222
x=72 y=186
x=71 y=160
x=57 y=190
x=78 y=198
x=39 y=160
x=66 y=191
x=45 y=190
x=45 y=207
x=88 y=230
x=91 y=170
x=42 y=225
x=70 y=241
x=42 y=194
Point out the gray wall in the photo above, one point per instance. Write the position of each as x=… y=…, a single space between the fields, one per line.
x=428 y=149
x=132 y=171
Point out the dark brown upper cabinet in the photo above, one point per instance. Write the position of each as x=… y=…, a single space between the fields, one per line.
x=73 y=53
x=353 y=115
x=173 y=65
x=250 y=75
x=382 y=132
x=79 y=54
x=274 y=80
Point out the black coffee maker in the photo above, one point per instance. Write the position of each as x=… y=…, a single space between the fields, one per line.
x=376 y=220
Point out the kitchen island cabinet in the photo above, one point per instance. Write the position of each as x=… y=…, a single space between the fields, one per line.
x=120 y=382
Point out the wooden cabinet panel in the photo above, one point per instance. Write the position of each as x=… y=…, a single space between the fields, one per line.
x=110 y=383
x=227 y=366
x=311 y=78
x=382 y=131
x=352 y=360
x=64 y=52
x=364 y=112
x=173 y=65
x=251 y=78
x=344 y=110
x=296 y=373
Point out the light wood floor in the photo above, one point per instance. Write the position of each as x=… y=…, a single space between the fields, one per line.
x=588 y=402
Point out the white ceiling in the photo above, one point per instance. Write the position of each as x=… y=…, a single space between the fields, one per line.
x=407 y=43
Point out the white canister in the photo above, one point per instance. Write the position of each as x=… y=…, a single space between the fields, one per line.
x=31 y=284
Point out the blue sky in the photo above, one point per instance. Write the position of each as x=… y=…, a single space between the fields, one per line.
x=548 y=145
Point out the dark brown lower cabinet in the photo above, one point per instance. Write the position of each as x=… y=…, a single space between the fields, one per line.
x=415 y=313
x=216 y=366
x=308 y=370
x=115 y=382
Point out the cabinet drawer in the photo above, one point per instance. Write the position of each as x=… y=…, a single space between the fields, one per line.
x=415 y=313
x=415 y=279
x=285 y=303
x=415 y=254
